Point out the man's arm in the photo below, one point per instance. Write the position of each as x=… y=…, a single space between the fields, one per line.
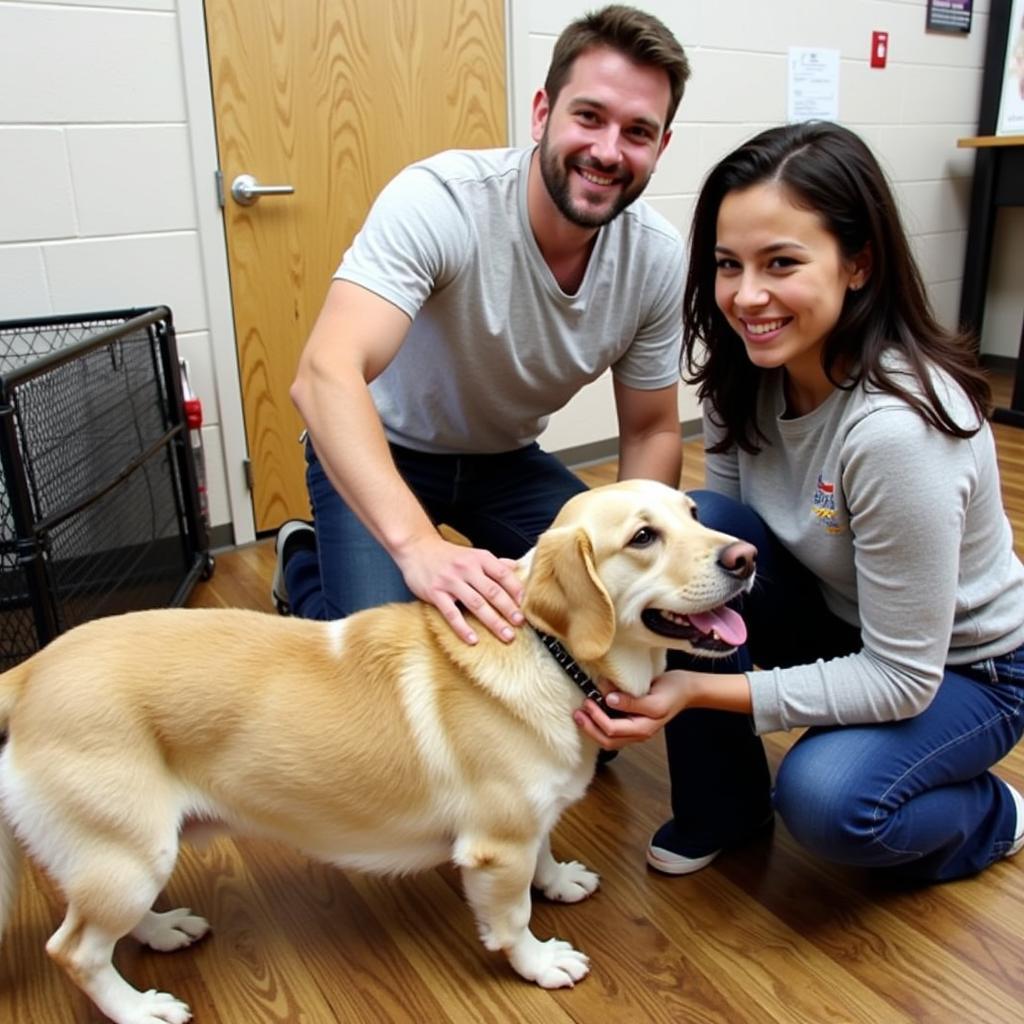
x=650 y=445
x=354 y=339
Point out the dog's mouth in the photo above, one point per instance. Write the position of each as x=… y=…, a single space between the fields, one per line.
x=719 y=629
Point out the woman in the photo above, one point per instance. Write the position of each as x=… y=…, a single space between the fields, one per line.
x=847 y=439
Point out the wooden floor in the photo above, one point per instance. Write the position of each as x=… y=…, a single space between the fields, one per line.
x=764 y=934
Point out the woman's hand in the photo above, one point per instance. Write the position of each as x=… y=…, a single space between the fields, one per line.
x=669 y=694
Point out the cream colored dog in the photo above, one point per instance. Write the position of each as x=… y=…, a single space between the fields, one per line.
x=380 y=742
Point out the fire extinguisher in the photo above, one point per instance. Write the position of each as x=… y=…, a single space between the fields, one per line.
x=194 y=421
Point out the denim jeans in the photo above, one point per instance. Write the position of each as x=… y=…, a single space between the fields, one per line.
x=913 y=796
x=500 y=502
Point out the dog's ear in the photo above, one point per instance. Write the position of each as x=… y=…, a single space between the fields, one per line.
x=565 y=597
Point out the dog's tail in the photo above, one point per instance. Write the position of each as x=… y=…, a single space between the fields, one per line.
x=11 y=685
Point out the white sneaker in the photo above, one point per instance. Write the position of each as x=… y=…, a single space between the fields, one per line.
x=667 y=861
x=662 y=858
x=1018 y=832
x=295 y=534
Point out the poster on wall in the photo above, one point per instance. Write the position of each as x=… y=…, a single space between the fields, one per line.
x=949 y=15
x=1011 y=100
x=813 y=85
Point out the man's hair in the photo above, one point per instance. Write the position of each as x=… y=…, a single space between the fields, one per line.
x=635 y=34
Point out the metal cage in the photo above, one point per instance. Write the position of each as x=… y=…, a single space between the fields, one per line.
x=99 y=509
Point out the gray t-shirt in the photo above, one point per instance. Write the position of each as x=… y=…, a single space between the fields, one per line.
x=495 y=345
x=904 y=528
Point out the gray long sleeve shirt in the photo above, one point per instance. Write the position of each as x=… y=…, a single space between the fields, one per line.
x=903 y=526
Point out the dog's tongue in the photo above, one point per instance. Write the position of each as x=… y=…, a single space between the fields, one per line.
x=729 y=626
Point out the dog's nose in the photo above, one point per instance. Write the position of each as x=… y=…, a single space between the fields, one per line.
x=738 y=559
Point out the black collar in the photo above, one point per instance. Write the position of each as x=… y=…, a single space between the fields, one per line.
x=575 y=673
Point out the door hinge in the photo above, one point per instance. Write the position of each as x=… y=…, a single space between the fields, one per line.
x=247 y=470
x=218 y=178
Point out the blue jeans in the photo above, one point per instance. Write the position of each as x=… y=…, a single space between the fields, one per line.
x=500 y=502
x=914 y=796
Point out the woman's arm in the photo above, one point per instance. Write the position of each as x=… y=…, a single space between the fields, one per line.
x=670 y=693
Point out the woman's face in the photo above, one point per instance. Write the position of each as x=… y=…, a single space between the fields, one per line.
x=781 y=280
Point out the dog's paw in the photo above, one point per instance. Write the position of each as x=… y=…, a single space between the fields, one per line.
x=551 y=964
x=173 y=929
x=568 y=882
x=153 y=1007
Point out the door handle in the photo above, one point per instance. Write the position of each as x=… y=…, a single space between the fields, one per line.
x=245 y=190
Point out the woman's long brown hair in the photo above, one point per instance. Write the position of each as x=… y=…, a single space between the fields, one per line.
x=828 y=170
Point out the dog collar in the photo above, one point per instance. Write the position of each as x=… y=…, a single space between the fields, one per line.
x=575 y=673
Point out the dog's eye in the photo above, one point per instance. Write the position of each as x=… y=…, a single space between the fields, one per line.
x=644 y=537
x=693 y=512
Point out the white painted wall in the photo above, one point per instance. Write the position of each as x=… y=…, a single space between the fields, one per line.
x=107 y=155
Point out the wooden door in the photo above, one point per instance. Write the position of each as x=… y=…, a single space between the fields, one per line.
x=331 y=97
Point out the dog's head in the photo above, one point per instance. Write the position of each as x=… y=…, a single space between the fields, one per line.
x=629 y=565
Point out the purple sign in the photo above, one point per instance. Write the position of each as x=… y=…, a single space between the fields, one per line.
x=949 y=15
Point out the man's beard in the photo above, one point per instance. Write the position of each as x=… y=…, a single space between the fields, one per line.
x=556 y=178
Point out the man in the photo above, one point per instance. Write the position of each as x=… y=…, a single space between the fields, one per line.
x=484 y=290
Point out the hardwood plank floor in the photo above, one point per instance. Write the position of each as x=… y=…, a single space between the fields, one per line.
x=766 y=934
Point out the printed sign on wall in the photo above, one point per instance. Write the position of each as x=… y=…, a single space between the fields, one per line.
x=813 y=86
x=949 y=15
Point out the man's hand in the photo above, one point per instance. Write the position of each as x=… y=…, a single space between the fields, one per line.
x=447 y=575
x=669 y=694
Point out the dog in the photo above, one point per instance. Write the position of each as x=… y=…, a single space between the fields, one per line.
x=380 y=742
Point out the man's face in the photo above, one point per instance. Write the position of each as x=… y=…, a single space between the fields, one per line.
x=600 y=142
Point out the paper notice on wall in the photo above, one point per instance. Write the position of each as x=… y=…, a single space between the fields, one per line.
x=813 y=91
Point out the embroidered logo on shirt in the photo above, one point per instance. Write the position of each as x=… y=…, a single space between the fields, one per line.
x=824 y=506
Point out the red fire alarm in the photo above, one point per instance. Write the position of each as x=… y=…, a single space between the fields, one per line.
x=879 y=49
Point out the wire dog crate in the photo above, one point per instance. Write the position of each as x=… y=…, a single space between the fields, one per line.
x=99 y=511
